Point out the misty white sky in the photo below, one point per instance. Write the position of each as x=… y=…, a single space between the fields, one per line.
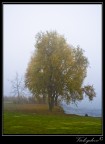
x=80 y=24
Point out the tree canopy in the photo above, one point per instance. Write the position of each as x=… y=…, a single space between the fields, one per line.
x=57 y=70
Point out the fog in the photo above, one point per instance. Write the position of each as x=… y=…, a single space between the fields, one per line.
x=80 y=24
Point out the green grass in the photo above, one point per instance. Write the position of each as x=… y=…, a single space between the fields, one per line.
x=36 y=119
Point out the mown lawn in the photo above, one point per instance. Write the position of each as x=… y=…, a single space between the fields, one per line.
x=36 y=119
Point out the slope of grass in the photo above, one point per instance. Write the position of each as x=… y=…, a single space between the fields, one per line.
x=36 y=119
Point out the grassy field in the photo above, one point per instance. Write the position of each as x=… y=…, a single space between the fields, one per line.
x=36 y=119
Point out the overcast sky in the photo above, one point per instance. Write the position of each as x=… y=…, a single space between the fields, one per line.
x=80 y=24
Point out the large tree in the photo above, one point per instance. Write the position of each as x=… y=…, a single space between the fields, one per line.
x=57 y=70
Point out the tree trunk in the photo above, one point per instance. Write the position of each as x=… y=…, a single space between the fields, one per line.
x=51 y=103
x=44 y=98
x=50 y=107
x=18 y=98
x=56 y=98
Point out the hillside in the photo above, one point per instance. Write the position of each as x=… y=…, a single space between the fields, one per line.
x=36 y=119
